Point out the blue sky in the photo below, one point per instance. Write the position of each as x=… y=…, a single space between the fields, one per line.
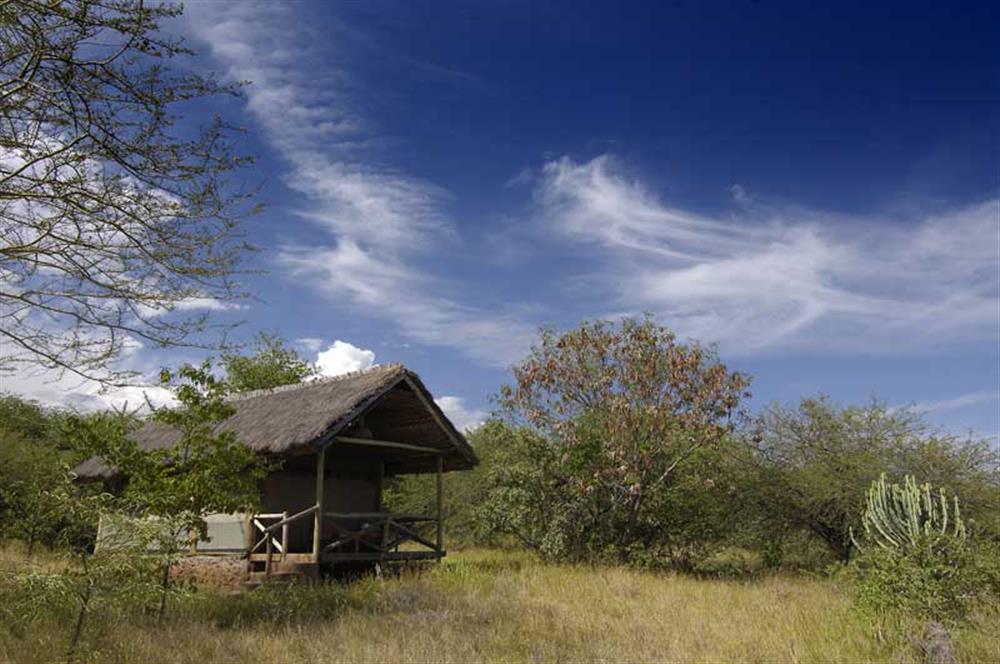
x=813 y=188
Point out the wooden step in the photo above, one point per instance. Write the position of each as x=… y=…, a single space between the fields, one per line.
x=283 y=572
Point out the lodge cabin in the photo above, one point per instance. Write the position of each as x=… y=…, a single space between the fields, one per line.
x=336 y=441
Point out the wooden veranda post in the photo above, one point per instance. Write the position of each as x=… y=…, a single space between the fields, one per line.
x=318 y=519
x=440 y=501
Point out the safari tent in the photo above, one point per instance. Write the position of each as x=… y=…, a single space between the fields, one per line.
x=337 y=440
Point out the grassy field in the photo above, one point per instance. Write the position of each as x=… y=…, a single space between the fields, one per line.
x=495 y=606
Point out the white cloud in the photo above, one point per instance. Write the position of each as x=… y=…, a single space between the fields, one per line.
x=207 y=304
x=134 y=378
x=312 y=344
x=956 y=403
x=342 y=357
x=381 y=222
x=386 y=287
x=770 y=275
x=54 y=387
x=463 y=417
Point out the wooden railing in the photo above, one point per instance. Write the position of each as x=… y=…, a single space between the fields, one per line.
x=355 y=535
x=375 y=534
x=268 y=540
x=260 y=531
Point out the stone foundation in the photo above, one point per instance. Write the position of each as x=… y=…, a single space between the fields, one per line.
x=223 y=572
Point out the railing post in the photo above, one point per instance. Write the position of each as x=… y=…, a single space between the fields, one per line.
x=440 y=501
x=385 y=533
x=284 y=536
x=318 y=520
x=381 y=482
x=267 y=561
x=249 y=533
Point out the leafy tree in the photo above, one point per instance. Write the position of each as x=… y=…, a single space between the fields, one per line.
x=207 y=471
x=610 y=417
x=464 y=493
x=114 y=215
x=270 y=364
x=816 y=462
x=84 y=582
x=32 y=459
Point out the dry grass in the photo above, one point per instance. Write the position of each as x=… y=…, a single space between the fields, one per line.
x=490 y=606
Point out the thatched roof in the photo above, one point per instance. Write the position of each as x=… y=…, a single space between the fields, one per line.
x=384 y=403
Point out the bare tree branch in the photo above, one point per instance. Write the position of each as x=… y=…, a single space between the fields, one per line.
x=113 y=212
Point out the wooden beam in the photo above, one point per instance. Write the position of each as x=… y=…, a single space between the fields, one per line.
x=390 y=555
x=398 y=516
x=432 y=409
x=318 y=520
x=440 y=502
x=370 y=442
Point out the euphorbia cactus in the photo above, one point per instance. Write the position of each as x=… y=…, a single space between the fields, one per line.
x=900 y=517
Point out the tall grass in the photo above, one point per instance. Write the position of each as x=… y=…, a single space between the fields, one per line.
x=495 y=606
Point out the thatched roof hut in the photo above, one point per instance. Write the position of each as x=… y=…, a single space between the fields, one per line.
x=336 y=439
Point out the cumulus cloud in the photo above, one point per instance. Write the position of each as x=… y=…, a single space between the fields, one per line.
x=63 y=389
x=381 y=222
x=778 y=275
x=342 y=357
x=460 y=414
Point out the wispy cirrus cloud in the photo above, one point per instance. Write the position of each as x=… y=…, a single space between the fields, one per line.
x=382 y=222
x=771 y=275
x=55 y=387
x=959 y=402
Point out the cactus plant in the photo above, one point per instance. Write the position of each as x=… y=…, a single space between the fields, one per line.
x=901 y=517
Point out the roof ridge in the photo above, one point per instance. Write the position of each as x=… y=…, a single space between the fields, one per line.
x=384 y=368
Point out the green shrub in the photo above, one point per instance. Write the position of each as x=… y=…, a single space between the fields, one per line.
x=915 y=556
x=941 y=582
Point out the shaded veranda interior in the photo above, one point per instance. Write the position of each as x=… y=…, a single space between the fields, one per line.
x=335 y=441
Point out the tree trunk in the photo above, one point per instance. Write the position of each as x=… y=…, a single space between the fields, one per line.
x=84 y=604
x=164 y=585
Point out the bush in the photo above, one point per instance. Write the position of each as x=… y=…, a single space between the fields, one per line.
x=916 y=558
x=941 y=582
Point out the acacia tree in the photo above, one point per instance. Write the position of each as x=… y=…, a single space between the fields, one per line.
x=116 y=217
x=29 y=463
x=618 y=411
x=815 y=462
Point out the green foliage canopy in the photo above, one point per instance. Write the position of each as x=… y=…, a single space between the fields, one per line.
x=815 y=463
x=609 y=418
x=269 y=364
